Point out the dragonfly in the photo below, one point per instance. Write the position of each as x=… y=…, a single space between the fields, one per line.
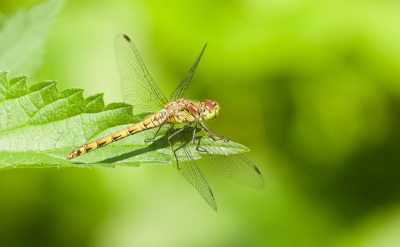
x=140 y=90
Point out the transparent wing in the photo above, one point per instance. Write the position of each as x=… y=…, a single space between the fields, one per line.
x=229 y=162
x=180 y=91
x=188 y=167
x=138 y=88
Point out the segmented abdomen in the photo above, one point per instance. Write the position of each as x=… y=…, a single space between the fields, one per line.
x=155 y=120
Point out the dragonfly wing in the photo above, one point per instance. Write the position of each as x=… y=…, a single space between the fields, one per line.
x=180 y=91
x=189 y=169
x=138 y=87
x=227 y=160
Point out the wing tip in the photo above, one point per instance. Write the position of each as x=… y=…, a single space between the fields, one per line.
x=262 y=186
x=126 y=37
x=257 y=170
x=212 y=195
x=204 y=48
x=213 y=205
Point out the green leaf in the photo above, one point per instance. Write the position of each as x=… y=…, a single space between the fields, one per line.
x=23 y=35
x=39 y=127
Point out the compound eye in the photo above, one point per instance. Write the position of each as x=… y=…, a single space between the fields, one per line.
x=209 y=105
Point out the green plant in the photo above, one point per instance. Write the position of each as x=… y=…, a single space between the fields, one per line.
x=39 y=126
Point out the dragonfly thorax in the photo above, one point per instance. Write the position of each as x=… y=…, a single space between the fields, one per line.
x=210 y=109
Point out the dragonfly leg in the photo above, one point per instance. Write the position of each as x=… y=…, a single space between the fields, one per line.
x=150 y=139
x=169 y=138
x=194 y=141
x=213 y=135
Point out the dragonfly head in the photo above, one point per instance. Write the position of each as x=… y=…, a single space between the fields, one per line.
x=210 y=109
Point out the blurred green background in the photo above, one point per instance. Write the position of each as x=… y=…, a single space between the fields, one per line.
x=311 y=87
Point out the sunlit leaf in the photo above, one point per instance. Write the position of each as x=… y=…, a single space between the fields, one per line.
x=39 y=126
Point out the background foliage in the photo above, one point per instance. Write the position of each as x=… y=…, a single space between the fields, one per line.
x=311 y=87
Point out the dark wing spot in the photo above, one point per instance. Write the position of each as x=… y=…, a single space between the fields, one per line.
x=211 y=193
x=258 y=171
x=127 y=38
